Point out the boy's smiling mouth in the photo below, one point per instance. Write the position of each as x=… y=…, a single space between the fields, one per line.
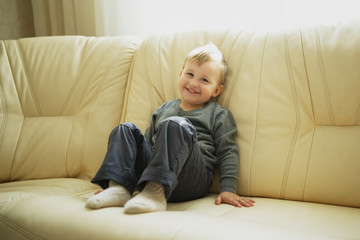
x=191 y=91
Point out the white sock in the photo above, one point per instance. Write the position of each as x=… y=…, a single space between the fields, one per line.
x=114 y=196
x=151 y=199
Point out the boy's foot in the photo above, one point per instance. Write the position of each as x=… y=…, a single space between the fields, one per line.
x=114 y=196
x=151 y=199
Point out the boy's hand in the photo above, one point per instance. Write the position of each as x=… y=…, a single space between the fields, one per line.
x=234 y=199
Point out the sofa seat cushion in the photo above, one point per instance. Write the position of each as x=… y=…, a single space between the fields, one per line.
x=55 y=209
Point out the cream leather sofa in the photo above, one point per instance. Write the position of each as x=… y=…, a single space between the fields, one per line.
x=294 y=93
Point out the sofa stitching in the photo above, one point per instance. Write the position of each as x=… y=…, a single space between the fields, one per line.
x=19 y=229
x=161 y=71
x=152 y=86
x=83 y=143
x=308 y=165
x=298 y=117
x=323 y=77
x=257 y=115
x=173 y=68
x=220 y=45
x=227 y=80
x=67 y=148
x=4 y=115
x=13 y=77
x=312 y=111
x=307 y=75
x=153 y=90
x=3 y=107
x=22 y=124
x=70 y=94
x=27 y=79
x=231 y=82
x=16 y=151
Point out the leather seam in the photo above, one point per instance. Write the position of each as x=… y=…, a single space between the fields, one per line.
x=231 y=82
x=323 y=77
x=18 y=228
x=27 y=79
x=307 y=76
x=3 y=106
x=257 y=116
x=298 y=118
x=308 y=165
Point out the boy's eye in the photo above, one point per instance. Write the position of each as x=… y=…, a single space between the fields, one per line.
x=205 y=80
x=190 y=74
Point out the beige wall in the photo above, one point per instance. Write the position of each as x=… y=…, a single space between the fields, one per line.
x=16 y=19
x=27 y=18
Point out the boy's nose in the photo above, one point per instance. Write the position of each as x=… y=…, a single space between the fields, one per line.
x=194 y=83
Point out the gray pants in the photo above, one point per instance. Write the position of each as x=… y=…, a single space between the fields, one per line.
x=175 y=161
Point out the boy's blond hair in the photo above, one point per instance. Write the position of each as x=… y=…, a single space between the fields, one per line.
x=208 y=52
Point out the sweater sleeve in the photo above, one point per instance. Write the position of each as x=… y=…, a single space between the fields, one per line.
x=150 y=133
x=151 y=130
x=227 y=151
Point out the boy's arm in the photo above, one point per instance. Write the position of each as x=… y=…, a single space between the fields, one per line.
x=227 y=154
x=228 y=159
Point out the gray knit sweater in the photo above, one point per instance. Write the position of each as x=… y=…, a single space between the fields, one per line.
x=215 y=128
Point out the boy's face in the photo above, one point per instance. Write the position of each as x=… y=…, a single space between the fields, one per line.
x=197 y=84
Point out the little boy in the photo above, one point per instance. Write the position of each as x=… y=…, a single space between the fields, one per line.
x=176 y=158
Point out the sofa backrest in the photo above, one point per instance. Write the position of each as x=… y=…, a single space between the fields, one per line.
x=59 y=99
x=295 y=95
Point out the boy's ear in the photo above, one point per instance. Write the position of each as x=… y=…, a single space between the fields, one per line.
x=218 y=90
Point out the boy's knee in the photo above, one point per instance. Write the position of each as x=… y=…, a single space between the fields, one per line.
x=128 y=125
x=121 y=127
x=179 y=122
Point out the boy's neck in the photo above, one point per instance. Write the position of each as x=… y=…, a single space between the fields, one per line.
x=188 y=107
